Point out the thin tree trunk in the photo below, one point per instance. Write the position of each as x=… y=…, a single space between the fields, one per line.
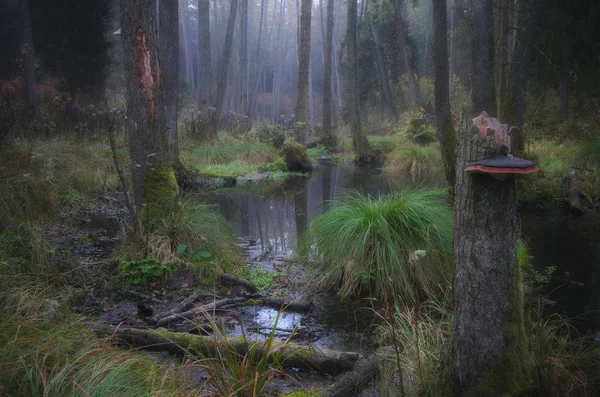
x=28 y=50
x=243 y=100
x=224 y=66
x=361 y=145
x=255 y=75
x=328 y=138
x=186 y=48
x=304 y=68
x=444 y=124
x=406 y=54
x=205 y=78
x=146 y=125
x=489 y=350
x=169 y=53
x=482 y=50
x=386 y=91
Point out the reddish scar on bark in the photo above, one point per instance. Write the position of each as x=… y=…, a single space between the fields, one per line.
x=144 y=73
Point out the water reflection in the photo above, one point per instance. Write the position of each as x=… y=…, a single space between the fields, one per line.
x=276 y=214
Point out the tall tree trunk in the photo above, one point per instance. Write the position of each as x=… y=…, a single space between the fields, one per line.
x=303 y=68
x=386 y=90
x=502 y=50
x=406 y=55
x=489 y=349
x=169 y=53
x=152 y=171
x=564 y=86
x=224 y=66
x=28 y=50
x=444 y=124
x=482 y=56
x=186 y=48
x=243 y=100
x=519 y=68
x=205 y=78
x=255 y=74
x=328 y=138
x=360 y=143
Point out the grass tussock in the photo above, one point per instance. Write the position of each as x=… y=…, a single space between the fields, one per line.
x=415 y=159
x=394 y=245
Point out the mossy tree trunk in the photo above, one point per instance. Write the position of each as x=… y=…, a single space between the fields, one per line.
x=360 y=143
x=151 y=163
x=489 y=352
x=303 y=69
x=444 y=124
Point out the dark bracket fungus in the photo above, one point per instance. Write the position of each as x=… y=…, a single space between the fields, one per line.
x=501 y=166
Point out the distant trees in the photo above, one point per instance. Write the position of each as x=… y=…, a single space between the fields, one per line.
x=328 y=138
x=304 y=68
x=28 y=51
x=223 y=68
x=205 y=78
x=482 y=58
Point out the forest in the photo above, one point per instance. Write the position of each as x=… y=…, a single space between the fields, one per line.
x=299 y=198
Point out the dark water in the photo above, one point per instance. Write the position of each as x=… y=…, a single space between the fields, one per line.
x=274 y=216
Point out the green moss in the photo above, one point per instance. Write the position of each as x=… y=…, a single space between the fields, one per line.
x=304 y=393
x=160 y=187
x=250 y=302
x=296 y=157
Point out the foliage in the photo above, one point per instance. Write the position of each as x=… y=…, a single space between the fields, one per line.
x=296 y=157
x=418 y=160
x=54 y=359
x=227 y=149
x=317 y=151
x=145 y=270
x=367 y=245
x=272 y=135
x=387 y=143
x=420 y=133
x=531 y=275
x=276 y=166
x=258 y=276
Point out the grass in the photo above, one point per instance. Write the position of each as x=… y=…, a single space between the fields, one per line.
x=415 y=159
x=317 y=151
x=392 y=245
x=387 y=143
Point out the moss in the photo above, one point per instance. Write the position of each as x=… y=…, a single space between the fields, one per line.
x=160 y=187
x=304 y=393
x=250 y=302
x=296 y=157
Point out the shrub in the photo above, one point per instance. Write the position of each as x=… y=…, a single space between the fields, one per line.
x=272 y=135
x=398 y=244
x=420 y=133
x=296 y=157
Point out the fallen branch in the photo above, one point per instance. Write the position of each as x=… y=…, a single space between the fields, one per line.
x=294 y=306
x=230 y=278
x=200 y=309
x=287 y=354
x=144 y=297
x=183 y=306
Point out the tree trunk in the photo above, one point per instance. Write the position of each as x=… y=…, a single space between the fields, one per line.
x=328 y=138
x=255 y=75
x=406 y=55
x=205 y=78
x=169 y=53
x=303 y=68
x=243 y=100
x=564 y=86
x=224 y=66
x=186 y=48
x=502 y=51
x=444 y=123
x=489 y=352
x=152 y=171
x=386 y=90
x=519 y=68
x=28 y=50
x=482 y=57
x=360 y=143
x=289 y=354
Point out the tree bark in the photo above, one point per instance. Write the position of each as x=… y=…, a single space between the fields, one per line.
x=482 y=57
x=360 y=143
x=502 y=51
x=328 y=138
x=152 y=171
x=243 y=100
x=304 y=68
x=169 y=53
x=289 y=354
x=256 y=72
x=406 y=55
x=186 y=48
x=205 y=78
x=520 y=66
x=28 y=50
x=224 y=66
x=444 y=123
x=489 y=351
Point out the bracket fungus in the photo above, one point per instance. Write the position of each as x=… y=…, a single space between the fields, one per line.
x=501 y=166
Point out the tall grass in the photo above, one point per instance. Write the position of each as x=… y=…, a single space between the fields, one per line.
x=393 y=245
x=415 y=159
x=227 y=149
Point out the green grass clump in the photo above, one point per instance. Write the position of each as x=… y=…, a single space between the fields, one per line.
x=233 y=169
x=387 y=143
x=393 y=245
x=317 y=151
x=227 y=149
x=53 y=359
x=417 y=160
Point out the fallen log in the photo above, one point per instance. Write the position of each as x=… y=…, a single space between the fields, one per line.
x=294 y=306
x=230 y=278
x=200 y=309
x=183 y=306
x=287 y=354
x=363 y=371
